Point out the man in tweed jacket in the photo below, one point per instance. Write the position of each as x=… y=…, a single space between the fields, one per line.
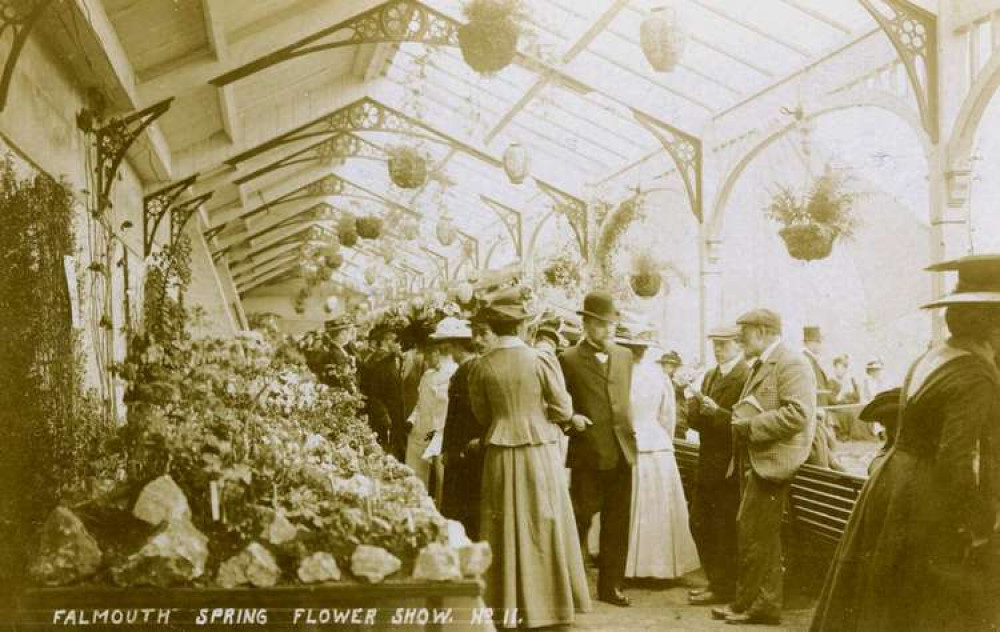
x=773 y=427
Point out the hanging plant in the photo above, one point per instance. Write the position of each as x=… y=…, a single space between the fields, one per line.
x=347 y=230
x=369 y=227
x=516 y=163
x=371 y=275
x=646 y=279
x=489 y=40
x=446 y=231
x=662 y=39
x=562 y=271
x=617 y=222
x=407 y=167
x=334 y=261
x=810 y=224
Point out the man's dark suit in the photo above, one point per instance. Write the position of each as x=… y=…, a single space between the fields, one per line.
x=716 y=497
x=601 y=457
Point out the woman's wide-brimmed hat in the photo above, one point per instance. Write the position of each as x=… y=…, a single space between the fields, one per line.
x=338 y=323
x=629 y=335
x=978 y=281
x=507 y=307
x=600 y=305
x=452 y=329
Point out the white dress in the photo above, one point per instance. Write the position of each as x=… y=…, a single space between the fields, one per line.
x=428 y=415
x=660 y=543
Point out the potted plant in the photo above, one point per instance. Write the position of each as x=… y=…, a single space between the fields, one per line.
x=489 y=40
x=347 y=231
x=407 y=167
x=813 y=222
x=646 y=278
x=369 y=227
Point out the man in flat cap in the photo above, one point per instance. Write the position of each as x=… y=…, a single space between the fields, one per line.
x=598 y=376
x=716 y=496
x=773 y=426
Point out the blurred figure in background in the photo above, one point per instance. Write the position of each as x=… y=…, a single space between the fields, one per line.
x=844 y=392
x=812 y=349
x=872 y=385
x=669 y=363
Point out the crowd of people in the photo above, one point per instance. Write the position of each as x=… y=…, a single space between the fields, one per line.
x=525 y=434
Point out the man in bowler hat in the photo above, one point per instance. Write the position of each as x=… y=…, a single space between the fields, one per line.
x=599 y=377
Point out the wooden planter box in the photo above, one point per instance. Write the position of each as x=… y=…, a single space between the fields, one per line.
x=411 y=605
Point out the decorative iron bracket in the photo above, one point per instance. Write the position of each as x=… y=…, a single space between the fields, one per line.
x=470 y=248
x=17 y=18
x=686 y=151
x=338 y=146
x=440 y=261
x=113 y=141
x=394 y=21
x=181 y=214
x=513 y=221
x=576 y=214
x=156 y=206
x=913 y=33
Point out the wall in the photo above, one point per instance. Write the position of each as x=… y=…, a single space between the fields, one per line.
x=38 y=125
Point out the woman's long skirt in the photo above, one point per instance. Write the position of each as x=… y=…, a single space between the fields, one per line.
x=527 y=518
x=660 y=543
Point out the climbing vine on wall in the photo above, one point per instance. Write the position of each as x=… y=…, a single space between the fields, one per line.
x=50 y=431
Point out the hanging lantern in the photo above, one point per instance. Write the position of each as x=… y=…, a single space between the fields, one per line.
x=371 y=274
x=388 y=254
x=410 y=229
x=662 y=39
x=516 y=163
x=445 y=230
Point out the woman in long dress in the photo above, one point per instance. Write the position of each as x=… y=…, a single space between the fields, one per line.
x=921 y=550
x=660 y=541
x=428 y=416
x=526 y=514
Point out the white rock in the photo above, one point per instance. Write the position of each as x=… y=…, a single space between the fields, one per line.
x=319 y=567
x=437 y=562
x=373 y=563
x=162 y=500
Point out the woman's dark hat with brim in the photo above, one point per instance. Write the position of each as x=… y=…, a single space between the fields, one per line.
x=600 y=305
x=506 y=307
x=670 y=357
x=885 y=405
x=978 y=281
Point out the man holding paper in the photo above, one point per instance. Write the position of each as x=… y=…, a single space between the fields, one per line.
x=773 y=425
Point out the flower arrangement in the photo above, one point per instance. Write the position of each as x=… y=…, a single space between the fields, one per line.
x=407 y=167
x=813 y=222
x=369 y=227
x=489 y=40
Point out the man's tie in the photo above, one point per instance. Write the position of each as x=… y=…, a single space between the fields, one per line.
x=753 y=373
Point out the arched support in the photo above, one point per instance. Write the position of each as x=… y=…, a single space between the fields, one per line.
x=967 y=123
x=513 y=221
x=913 y=33
x=881 y=101
x=686 y=152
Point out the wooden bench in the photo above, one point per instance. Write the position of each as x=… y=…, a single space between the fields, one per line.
x=821 y=502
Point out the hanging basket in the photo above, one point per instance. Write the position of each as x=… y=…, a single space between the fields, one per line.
x=516 y=163
x=489 y=45
x=334 y=261
x=407 y=168
x=369 y=227
x=410 y=229
x=808 y=242
x=646 y=284
x=662 y=39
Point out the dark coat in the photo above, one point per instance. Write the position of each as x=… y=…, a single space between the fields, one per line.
x=714 y=430
x=600 y=392
x=382 y=385
x=905 y=560
x=463 y=472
